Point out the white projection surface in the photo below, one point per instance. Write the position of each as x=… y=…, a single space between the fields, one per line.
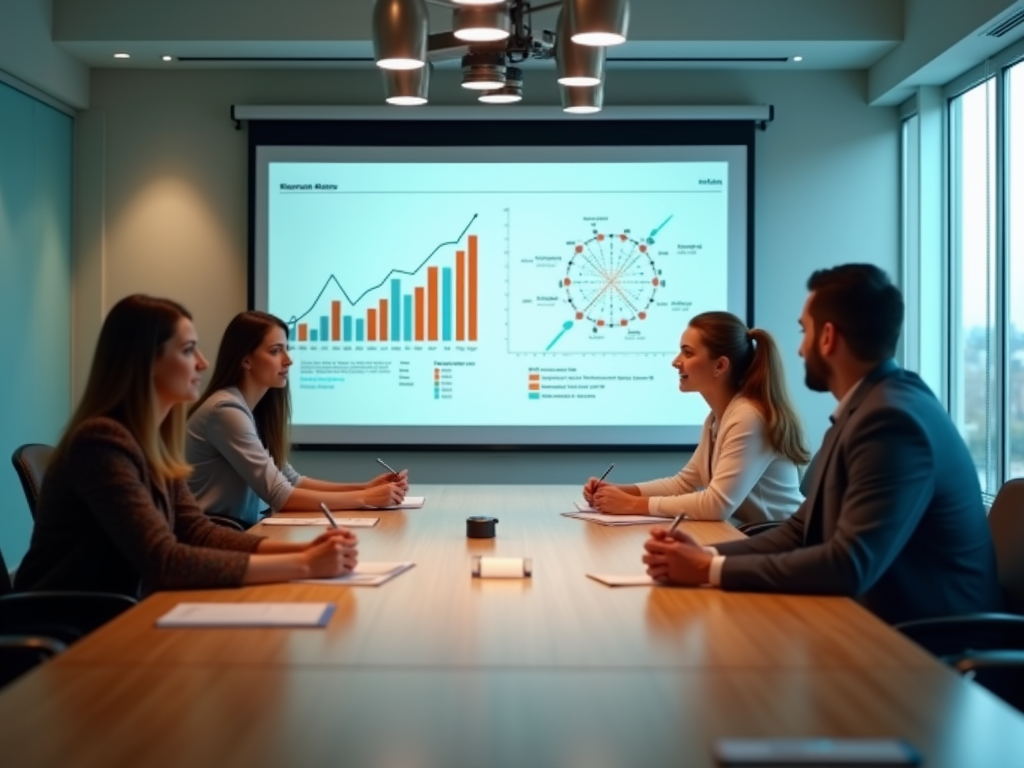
x=496 y=296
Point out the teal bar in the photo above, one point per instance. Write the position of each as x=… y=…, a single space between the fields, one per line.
x=347 y=327
x=325 y=334
x=291 y=332
x=446 y=304
x=407 y=316
x=359 y=329
x=312 y=335
x=396 y=310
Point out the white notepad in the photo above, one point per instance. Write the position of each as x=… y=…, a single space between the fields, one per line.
x=344 y=522
x=619 y=580
x=615 y=520
x=195 y=615
x=410 y=502
x=365 y=575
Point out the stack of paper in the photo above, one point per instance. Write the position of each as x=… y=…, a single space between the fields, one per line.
x=365 y=575
x=630 y=580
x=344 y=522
x=410 y=502
x=615 y=520
x=194 y=615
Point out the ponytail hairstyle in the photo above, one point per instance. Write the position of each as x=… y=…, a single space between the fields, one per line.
x=243 y=336
x=120 y=385
x=755 y=372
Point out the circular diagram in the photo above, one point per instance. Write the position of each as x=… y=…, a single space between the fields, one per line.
x=611 y=280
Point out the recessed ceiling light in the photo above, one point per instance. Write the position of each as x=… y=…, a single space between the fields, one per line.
x=798 y=58
x=122 y=55
x=168 y=58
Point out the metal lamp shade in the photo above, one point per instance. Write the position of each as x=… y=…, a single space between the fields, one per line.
x=400 y=30
x=598 y=22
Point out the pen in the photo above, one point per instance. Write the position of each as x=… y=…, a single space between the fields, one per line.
x=610 y=468
x=675 y=523
x=384 y=464
x=334 y=523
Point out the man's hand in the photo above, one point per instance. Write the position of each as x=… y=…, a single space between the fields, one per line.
x=677 y=559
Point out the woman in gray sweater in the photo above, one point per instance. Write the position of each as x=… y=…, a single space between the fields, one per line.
x=115 y=513
x=237 y=438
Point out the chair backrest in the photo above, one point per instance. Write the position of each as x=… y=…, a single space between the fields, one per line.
x=30 y=462
x=1006 y=521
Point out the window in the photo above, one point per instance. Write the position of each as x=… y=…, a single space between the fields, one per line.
x=1015 y=267
x=974 y=334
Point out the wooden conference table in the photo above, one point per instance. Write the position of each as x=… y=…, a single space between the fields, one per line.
x=437 y=669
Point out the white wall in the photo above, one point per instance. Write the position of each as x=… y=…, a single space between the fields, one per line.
x=163 y=209
x=28 y=53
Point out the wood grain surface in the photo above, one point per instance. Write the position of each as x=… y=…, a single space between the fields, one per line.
x=436 y=668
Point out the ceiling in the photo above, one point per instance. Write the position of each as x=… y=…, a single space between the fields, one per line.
x=663 y=34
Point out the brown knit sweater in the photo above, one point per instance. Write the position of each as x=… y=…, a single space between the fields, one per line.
x=103 y=524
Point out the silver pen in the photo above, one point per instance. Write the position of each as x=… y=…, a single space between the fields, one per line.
x=330 y=517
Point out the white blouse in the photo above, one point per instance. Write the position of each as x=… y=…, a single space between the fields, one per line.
x=734 y=472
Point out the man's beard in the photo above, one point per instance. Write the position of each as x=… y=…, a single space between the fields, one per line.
x=815 y=369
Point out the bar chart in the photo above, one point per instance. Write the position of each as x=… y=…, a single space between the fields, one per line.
x=443 y=307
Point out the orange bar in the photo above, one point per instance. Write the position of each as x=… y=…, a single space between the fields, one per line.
x=535 y=387
x=335 y=321
x=534 y=377
x=383 y=319
x=371 y=325
x=460 y=295
x=419 y=314
x=472 y=287
x=303 y=332
x=431 y=303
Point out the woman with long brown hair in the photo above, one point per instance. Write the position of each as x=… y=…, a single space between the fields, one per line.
x=237 y=438
x=745 y=465
x=115 y=513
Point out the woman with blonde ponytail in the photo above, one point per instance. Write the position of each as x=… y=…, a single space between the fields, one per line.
x=745 y=466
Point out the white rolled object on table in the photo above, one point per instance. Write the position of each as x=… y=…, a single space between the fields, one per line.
x=502 y=567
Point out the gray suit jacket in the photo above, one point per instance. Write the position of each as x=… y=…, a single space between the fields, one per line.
x=893 y=515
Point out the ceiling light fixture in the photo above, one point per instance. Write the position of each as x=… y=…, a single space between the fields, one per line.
x=510 y=92
x=406 y=87
x=578 y=65
x=483 y=71
x=582 y=101
x=598 y=22
x=167 y=58
x=400 y=29
x=798 y=58
x=122 y=55
x=481 y=24
x=492 y=36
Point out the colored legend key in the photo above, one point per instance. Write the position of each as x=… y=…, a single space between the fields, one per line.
x=533 y=386
x=437 y=383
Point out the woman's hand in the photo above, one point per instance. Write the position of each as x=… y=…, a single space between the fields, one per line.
x=386 y=495
x=331 y=554
x=401 y=479
x=612 y=500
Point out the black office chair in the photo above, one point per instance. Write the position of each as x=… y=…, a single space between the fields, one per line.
x=989 y=646
x=30 y=462
x=64 y=616
x=20 y=653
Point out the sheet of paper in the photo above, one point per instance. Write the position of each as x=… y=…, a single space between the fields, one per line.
x=189 y=615
x=582 y=506
x=410 y=502
x=344 y=522
x=615 y=520
x=365 y=575
x=619 y=580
